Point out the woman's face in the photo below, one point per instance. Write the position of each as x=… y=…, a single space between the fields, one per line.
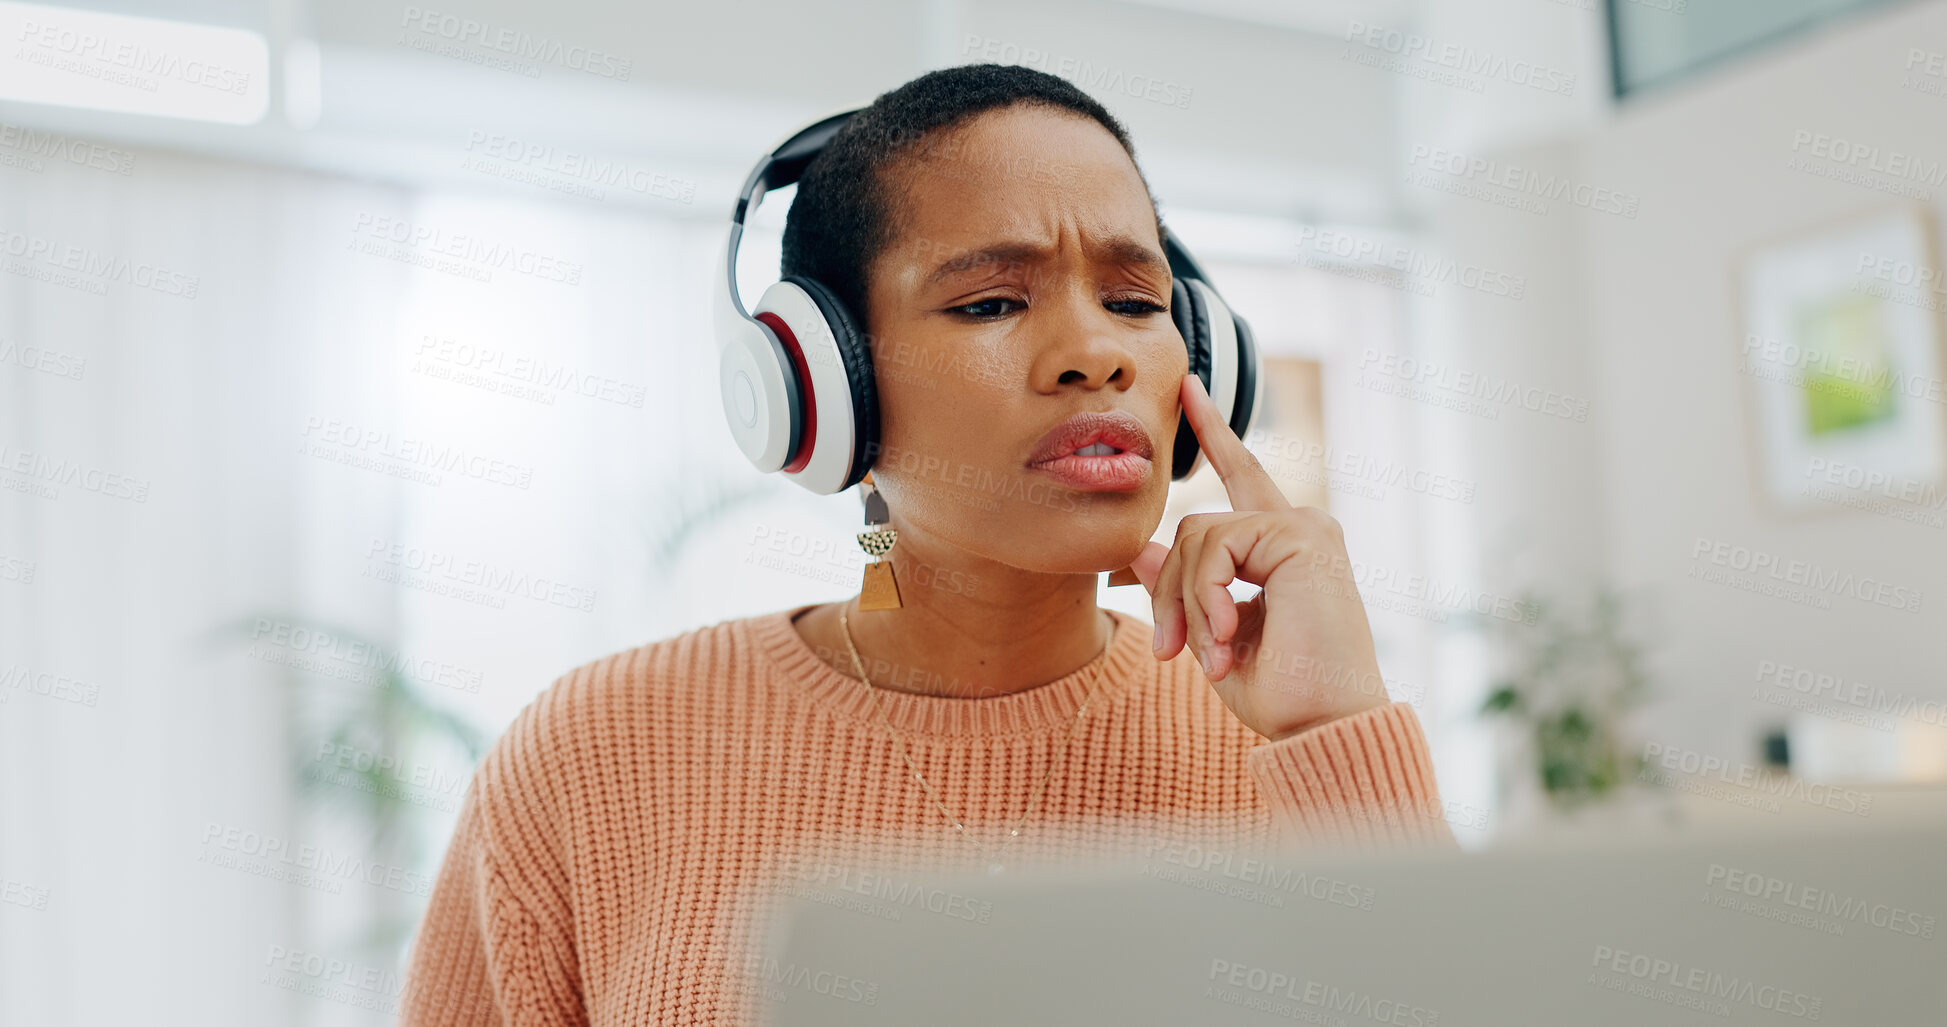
x=1024 y=284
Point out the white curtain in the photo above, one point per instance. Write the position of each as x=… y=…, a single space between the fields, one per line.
x=278 y=450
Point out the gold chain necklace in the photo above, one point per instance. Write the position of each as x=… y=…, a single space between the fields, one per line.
x=994 y=865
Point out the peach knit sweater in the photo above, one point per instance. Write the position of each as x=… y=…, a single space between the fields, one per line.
x=622 y=838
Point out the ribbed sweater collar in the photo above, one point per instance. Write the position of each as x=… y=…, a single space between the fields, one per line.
x=1044 y=707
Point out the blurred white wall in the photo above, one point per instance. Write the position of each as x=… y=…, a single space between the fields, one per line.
x=1663 y=323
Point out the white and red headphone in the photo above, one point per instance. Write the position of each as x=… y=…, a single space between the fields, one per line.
x=797 y=384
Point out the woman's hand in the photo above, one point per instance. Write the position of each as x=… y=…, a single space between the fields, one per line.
x=1300 y=652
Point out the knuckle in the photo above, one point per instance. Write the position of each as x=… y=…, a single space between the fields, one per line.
x=1317 y=520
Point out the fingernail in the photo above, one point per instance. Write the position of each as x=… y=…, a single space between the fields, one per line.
x=1156 y=640
x=1204 y=659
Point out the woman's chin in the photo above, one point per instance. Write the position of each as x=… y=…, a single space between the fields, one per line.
x=1084 y=559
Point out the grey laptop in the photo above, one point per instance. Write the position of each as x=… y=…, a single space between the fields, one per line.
x=1790 y=924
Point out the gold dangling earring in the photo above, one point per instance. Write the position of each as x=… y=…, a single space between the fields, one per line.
x=880 y=589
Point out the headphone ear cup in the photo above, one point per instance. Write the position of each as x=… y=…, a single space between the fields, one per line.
x=855 y=352
x=1193 y=321
x=1250 y=381
x=1223 y=350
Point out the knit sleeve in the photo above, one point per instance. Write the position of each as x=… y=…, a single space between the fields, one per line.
x=1360 y=781
x=489 y=951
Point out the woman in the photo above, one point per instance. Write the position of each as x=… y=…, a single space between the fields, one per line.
x=621 y=841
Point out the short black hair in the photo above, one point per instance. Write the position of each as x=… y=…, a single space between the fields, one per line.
x=843 y=215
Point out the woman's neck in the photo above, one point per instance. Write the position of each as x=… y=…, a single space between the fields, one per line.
x=958 y=646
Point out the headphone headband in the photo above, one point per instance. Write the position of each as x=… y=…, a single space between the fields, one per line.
x=787 y=160
x=783 y=166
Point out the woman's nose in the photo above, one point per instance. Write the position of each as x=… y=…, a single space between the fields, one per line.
x=1085 y=342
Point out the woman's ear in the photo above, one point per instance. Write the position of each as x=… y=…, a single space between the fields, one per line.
x=876 y=511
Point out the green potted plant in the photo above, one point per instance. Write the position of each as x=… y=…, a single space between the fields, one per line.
x=369 y=707
x=1572 y=678
x=345 y=707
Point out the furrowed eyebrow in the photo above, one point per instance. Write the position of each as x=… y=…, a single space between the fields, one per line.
x=1121 y=250
x=1009 y=253
x=1124 y=250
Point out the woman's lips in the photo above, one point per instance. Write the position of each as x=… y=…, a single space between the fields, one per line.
x=1125 y=470
x=1056 y=453
x=1120 y=472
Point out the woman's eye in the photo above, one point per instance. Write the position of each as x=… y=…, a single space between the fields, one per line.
x=1000 y=306
x=984 y=309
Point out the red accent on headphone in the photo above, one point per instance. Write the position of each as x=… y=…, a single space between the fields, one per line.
x=803 y=455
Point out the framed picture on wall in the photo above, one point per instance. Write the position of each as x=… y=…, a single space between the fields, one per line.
x=1841 y=352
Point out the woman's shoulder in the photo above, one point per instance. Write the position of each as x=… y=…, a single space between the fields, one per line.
x=689 y=675
x=639 y=704
x=712 y=660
